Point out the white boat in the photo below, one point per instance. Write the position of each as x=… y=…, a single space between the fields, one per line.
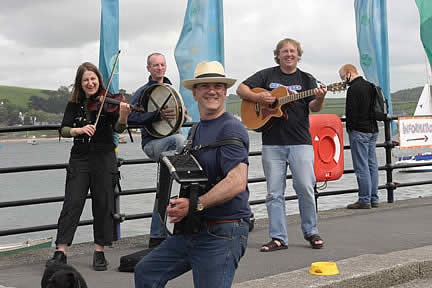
x=26 y=245
x=421 y=158
x=424 y=108
x=32 y=141
x=122 y=140
x=424 y=105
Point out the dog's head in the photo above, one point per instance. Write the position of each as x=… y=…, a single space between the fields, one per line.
x=62 y=275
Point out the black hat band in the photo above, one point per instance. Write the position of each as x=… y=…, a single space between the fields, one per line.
x=209 y=75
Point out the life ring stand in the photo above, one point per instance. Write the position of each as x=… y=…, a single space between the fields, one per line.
x=329 y=148
x=327 y=139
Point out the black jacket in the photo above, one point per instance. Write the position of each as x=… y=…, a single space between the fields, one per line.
x=357 y=108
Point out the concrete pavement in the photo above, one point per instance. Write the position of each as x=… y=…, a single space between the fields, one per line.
x=380 y=247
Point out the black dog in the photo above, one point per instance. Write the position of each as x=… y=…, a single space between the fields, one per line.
x=62 y=276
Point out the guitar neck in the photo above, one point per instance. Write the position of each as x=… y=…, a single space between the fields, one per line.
x=295 y=96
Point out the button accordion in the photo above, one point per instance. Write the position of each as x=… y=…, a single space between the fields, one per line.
x=180 y=175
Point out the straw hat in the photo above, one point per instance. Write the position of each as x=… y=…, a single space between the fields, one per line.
x=209 y=72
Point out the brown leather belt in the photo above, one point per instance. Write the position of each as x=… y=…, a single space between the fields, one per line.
x=213 y=222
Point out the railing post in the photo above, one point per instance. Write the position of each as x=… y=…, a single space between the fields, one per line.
x=389 y=166
x=116 y=211
x=316 y=197
x=117 y=216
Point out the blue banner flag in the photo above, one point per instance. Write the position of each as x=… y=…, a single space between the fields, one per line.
x=109 y=43
x=425 y=11
x=201 y=39
x=108 y=50
x=372 y=42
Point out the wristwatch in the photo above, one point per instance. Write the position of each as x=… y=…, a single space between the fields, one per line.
x=199 y=206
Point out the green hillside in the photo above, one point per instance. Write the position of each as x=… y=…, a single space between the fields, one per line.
x=19 y=96
x=404 y=103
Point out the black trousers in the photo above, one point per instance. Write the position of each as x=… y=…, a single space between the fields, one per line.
x=98 y=172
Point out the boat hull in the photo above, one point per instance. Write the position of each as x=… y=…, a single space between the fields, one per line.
x=425 y=158
x=27 y=245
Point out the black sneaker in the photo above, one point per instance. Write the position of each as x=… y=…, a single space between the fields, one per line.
x=99 y=261
x=375 y=204
x=359 y=205
x=154 y=242
x=58 y=258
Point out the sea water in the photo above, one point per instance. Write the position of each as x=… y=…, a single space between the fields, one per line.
x=50 y=183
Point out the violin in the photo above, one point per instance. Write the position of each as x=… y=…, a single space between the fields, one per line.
x=95 y=101
x=106 y=98
x=111 y=103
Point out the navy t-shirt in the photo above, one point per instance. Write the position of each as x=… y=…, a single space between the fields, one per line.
x=294 y=130
x=217 y=162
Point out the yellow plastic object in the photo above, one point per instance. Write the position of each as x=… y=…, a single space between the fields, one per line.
x=323 y=268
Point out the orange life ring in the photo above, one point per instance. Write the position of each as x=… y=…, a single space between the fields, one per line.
x=327 y=138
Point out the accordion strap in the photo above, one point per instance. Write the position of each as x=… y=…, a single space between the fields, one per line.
x=227 y=141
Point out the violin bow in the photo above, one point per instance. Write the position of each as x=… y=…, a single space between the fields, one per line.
x=106 y=90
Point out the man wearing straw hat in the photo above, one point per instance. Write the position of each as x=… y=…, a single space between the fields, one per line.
x=214 y=252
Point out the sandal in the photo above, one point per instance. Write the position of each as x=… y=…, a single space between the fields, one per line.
x=313 y=239
x=273 y=246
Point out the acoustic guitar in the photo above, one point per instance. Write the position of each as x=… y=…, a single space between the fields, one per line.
x=259 y=117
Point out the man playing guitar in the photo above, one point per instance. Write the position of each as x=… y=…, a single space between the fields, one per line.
x=287 y=141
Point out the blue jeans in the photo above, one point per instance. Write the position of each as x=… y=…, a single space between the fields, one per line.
x=153 y=149
x=300 y=158
x=213 y=255
x=363 y=153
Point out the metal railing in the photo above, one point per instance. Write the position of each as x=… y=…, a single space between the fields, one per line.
x=390 y=186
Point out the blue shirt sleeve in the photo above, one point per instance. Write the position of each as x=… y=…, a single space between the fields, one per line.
x=140 y=117
x=232 y=155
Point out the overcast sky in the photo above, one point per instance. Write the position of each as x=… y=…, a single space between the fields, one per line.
x=43 y=42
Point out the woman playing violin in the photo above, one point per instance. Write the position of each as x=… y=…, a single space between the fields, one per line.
x=92 y=164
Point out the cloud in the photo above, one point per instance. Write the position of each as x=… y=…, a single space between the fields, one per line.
x=51 y=24
x=44 y=41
